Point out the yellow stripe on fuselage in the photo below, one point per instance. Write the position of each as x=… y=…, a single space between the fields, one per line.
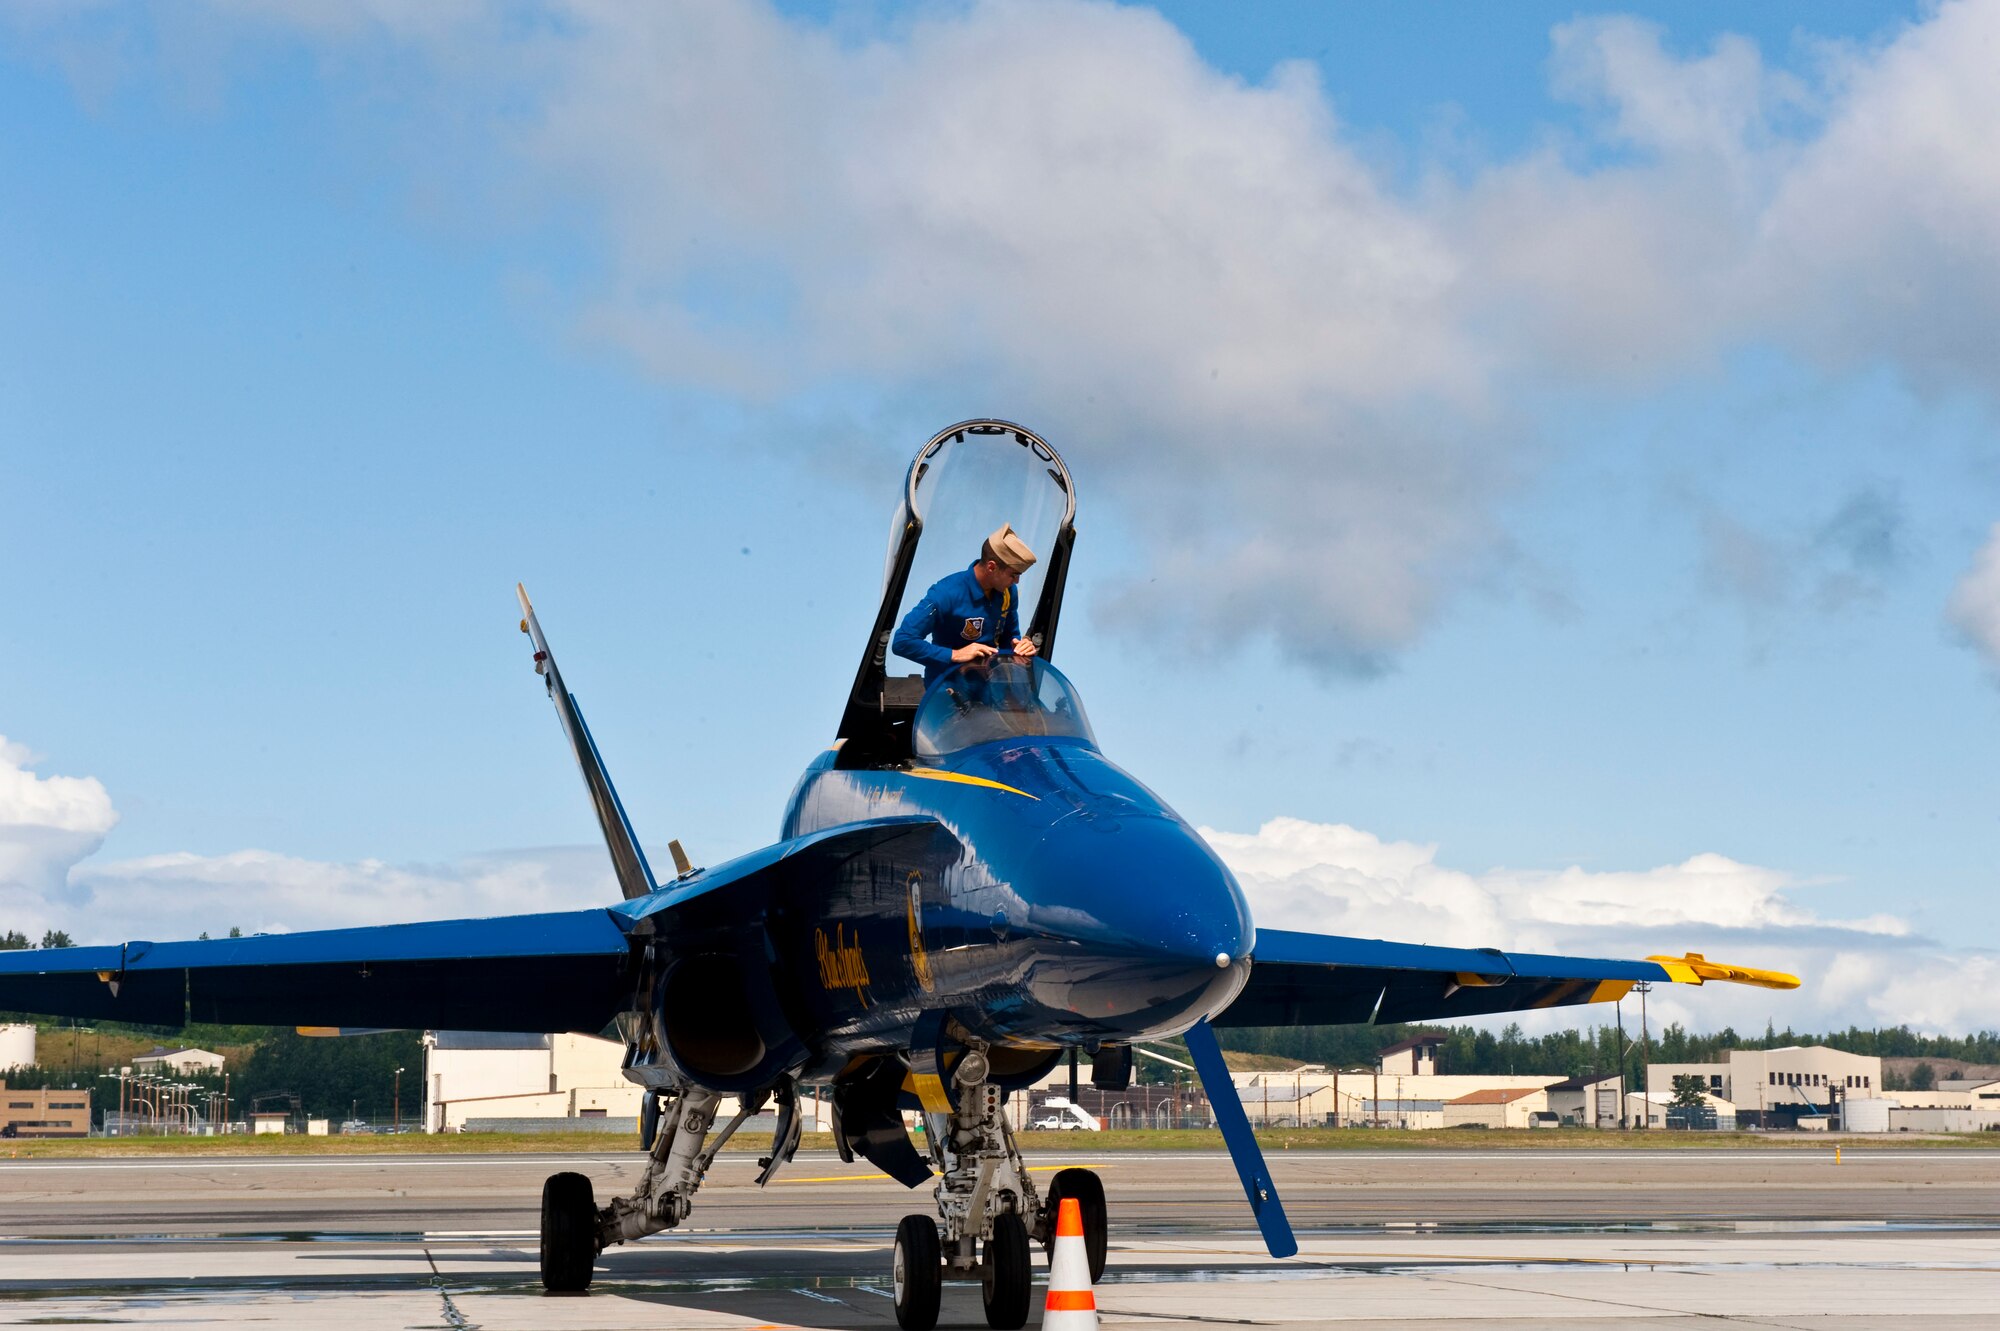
x=934 y=774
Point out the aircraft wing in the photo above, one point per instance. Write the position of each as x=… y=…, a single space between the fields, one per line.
x=1302 y=979
x=557 y=971
x=565 y=970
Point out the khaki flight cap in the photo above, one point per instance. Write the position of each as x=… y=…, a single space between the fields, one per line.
x=1010 y=549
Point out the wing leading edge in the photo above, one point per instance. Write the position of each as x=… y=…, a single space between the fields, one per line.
x=558 y=971
x=1302 y=979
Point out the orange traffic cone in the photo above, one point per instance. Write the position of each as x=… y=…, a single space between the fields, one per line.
x=1072 y=1305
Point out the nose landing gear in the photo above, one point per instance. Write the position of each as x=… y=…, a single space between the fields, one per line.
x=989 y=1213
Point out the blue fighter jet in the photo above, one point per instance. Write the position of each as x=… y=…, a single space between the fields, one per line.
x=967 y=891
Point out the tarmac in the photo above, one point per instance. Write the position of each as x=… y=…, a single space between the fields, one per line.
x=1565 y=1239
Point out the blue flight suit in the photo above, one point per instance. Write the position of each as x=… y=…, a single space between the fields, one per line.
x=955 y=611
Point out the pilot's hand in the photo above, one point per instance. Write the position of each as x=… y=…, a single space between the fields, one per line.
x=973 y=651
x=1024 y=649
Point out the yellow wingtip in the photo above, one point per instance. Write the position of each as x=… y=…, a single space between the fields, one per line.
x=1694 y=968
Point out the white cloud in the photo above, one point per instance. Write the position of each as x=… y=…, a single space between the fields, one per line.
x=47 y=824
x=1309 y=386
x=1975 y=603
x=1331 y=878
x=51 y=826
x=181 y=895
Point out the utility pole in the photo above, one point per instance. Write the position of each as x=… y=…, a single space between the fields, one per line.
x=1645 y=1043
x=399 y=1100
x=1624 y=1088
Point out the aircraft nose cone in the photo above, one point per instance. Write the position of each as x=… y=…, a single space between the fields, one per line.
x=1146 y=885
x=1153 y=929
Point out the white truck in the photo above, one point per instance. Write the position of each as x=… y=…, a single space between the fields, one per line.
x=1059 y=1115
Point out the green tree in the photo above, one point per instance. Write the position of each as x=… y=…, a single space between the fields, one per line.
x=330 y=1074
x=1923 y=1077
x=1688 y=1091
x=57 y=938
x=14 y=941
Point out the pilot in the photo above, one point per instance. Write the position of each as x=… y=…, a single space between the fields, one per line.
x=970 y=616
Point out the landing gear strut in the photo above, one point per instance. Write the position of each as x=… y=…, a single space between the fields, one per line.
x=988 y=1211
x=574 y=1230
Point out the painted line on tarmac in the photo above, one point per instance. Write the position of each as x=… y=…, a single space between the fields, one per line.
x=251 y=1162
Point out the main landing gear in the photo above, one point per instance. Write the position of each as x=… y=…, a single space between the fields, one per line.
x=574 y=1230
x=988 y=1213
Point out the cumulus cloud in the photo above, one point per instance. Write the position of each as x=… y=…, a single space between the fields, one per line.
x=1975 y=602
x=1331 y=878
x=51 y=826
x=47 y=824
x=1309 y=385
x=179 y=895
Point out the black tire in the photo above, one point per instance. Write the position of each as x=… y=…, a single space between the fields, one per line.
x=916 y=1274
x=1088 y=1189
x=569 y=1233
x=1006 y=1276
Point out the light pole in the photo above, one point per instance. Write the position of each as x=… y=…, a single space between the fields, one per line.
x=399 y=1101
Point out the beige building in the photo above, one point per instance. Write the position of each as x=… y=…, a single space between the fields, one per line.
x=1963 y=1105
x=1496 y=1108
x=1649 y=1109
x=44 y=1113
x=1778 y=1087
x=181 y=1061
x=1588 y=1101
x=1412 y=1058
x=480 y=1074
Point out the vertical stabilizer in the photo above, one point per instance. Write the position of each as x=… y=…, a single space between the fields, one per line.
x=635 y=877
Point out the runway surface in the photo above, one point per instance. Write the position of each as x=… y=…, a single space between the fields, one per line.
x=1566 y=1239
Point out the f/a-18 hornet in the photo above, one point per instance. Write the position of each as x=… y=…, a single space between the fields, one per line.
x=966 y=891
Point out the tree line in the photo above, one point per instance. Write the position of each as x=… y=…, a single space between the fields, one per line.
x=1574 y=1053
x=16 y=941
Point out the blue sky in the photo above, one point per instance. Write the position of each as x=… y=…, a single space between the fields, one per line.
x=1538 y=465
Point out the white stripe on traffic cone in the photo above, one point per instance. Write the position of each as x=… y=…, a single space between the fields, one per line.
x=1072 y=1305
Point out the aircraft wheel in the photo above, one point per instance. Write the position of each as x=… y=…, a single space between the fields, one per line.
x=916 y=1273
x=1088 y=1189
x=569 y=1233
x=1006 y=1277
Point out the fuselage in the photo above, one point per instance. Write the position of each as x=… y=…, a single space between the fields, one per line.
x=1068 y=906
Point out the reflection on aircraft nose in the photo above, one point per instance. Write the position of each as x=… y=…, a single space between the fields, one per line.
x=1145 y=889
x=1149 y=926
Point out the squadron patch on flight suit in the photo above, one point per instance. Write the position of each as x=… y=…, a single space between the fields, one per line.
x=973 y=628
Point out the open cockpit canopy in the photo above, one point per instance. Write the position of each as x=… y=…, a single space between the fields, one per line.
x=965 y=483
